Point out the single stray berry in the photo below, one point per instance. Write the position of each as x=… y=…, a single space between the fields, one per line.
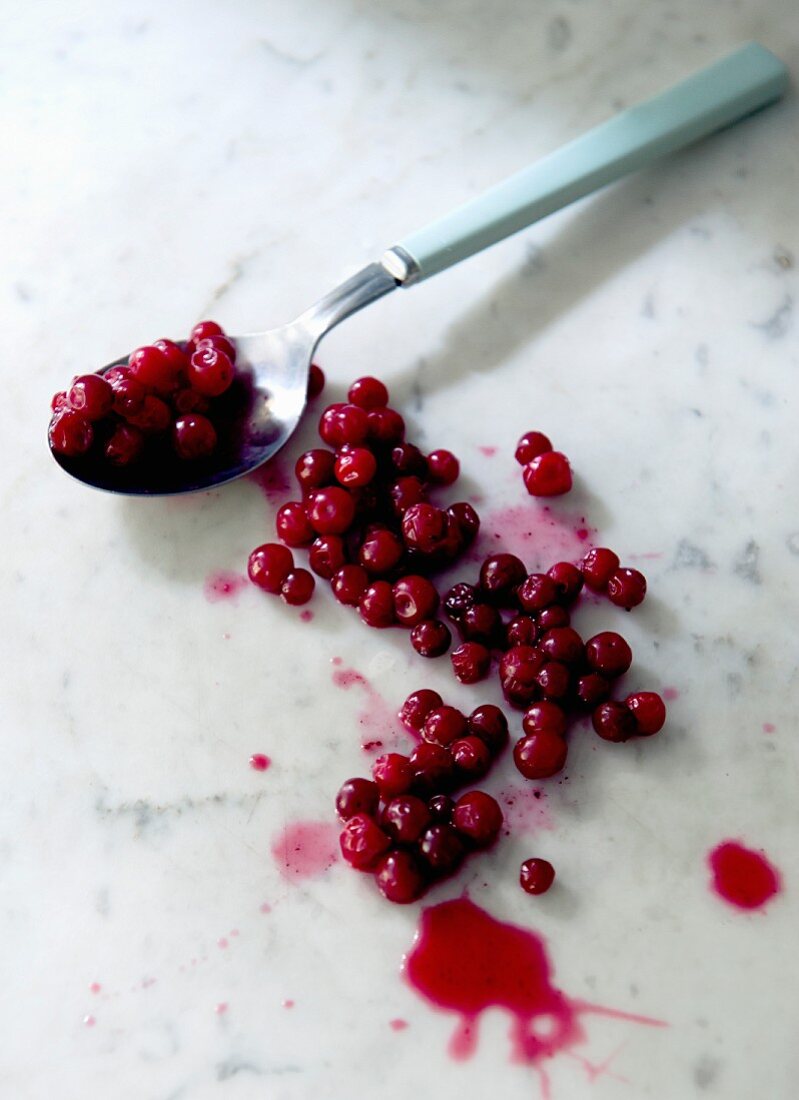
x=548 y=475
x=536 y=876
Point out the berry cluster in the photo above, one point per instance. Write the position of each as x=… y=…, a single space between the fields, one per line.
x=603 y=573
x=547 y=473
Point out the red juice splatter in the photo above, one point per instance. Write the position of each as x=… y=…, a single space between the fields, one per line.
x=670 y=694
x=306 y=616
x=336 y=660
x=305 y=849
x=535 y=533
x=741 y=876
x=398 y=1025
x=273 y=480
x=259 y=761
x=264 y=907
x=221 y=1008
x=377 y=721
x=222 y=943
x=525 y=809
x=465 y=961
x=223 y=585
x=95 y=987
x=89 y=1021
x=769 y=727
x=489 y=452
x=288 y=1004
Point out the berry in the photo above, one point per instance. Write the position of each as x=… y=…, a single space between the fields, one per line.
x=552 y=617
x=459 y=599
x=477 y=817
x=481 y=623
x=59 y=401
x=220 y=342
x=540 y=754
x=349 y=584
x=405 y=818
x=368 y=393
x=431 y=638
x=536 y=876
x=187 y=400
x=536 y=592
x=363 y=842
x=376 y=605
x=405 y=492
x=424 y=527
x=327 y=556
x=393 y=773
x=443 y=467
x=518 y=670
x=342 y=423
x=530 y=446
x=315 y=469
x=298 y=587
x=467 y=520
x=553 y=680
x=500 y=576
x=91 y=396
x=433 y=768
x=399 y=877
x=210 y=371
x=269 y=565
x=444 y=725
x=155 y=369
x=614 y=721
x=385 y=426
x=597 y=567
x=203 y=329
x=357 y=796
x=470 y=662
x=626 y=588
x=194 y=435
x=489 y=724
x=417 y=707
x=316 y=381
x=441 y=807
x=154 y=417
x=380 y=552
x=355 y=467
x=129 y=396
x=591 y=689
x=608 y=653
x=70 y=433
x=562 y=643
x=568 y=581
x=544 y=716
x=649 y=711
x=523 y=630
x=409 y=460
x=330 y=510
x=441 y=848
x=125 y=445
x=471 y=757
x=548 y=475
x=292 y=526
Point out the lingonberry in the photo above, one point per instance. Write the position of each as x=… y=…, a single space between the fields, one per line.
x=316 y=381
x=521 y=630
x=471 y=757
x=597 y=567
x=443 y=725
x=129 y=395
x=442 y=848
x=614 y=721
x=330 y=510
x=568 y=581
x=292 y=526
x=327 y=555
x=385 y=426
x=269 y=565
x=349 y=584
x=187 y=400
x=380 y=552
x=626 y=588
x=536 y=876
x=548 y=475
x=467 y=520
x=343 y=423
x=393 y=773
x=536 y=592
x=649 y=711
x=314 y=469
x=552 y=617
x=298 y=587
x=355 y=467
x=405 y=492
x=489 y=724
x=459 y=599
x=443 y=467
x=409 y=460
x=431 y=638
x=477 y=817
x=203 y=329
x=70 y=433
x=470 y=662
x=155 y=369
x=562 y=643
x=59 y=401
x=608 y=653
x=125 y=445
x=518 y=669
x=220 y=342
x=194 y=435
x=399 y=877
x=376 y=605
x=553 y=679
x=210 y=371
x=591 y=689
x=544 y=716
x=357 y=796
x=433 y=769
x=363 y=842
x=540 y=754
x=441 y=807
x=91 y=396
x=368 y=393
x=500 y=576
x=405 y=818
x=417 y=707
x=530 y=446
x=424 y=527
x=481 y=623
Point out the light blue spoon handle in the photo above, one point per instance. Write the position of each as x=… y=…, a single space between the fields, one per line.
x=715 y=97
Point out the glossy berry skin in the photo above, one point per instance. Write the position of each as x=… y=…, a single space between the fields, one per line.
x=91 y=396
x=545 y=716
x=393 y=774
x=129 y=396
x=315 y=469
x=591 y=689
x=518 y=670
x=442 y=849
x=489 y=724
x=433 y=769
x=444 y=725
x=125 y=445
x=441 y=807
x=343 y=423
x=467 y=520
x=380 y=552
x=477 y=817
x=443 y=467
x=405 y=818
x=385 y=426
x=471 y=757
x=327 y=555
x=459 y=599
x=187 y=400
x=220 y=342
x=210 y=371
x=376 y=605
x=614 y=721
x=399 y=877
x=431 y=638
x=608 y=654
x=552 y=617
x=562 y=643
x=154 y=416
x=626 y=588
x=357 y=796
x=70 y=433
x=349 y=584
x=548 y=475
x=539 y=755
x=298 y=587
x=598 y=566
x=269 y=565
x=471 y=662
x=194 y=436
x=409 y=461
x=355 y=467
x=155 y=369
x=523 y=630
x=316 y=381
x=568 y=581
x=292 y=526
x=203 y=329
x=553 y=680
x=59 y=401
x=649 y=711
x=536 y=876
x=330 y=510
x=536 y=593
x=417 y=707
x=530 y=446
x=363 y=842
x=481 y=623
x=500 y=576
x=405 y=492
x=368 y=393
x=424 y=528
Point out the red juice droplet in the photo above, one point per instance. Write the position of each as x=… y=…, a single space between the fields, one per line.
x=305 y=849
x=488 y=451
x=769 y=727
x=741 y=876
x=259 y=762
x=223 y=585
x=397 y=1025
x=306 y=616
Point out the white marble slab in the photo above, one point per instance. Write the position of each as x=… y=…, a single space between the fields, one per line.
x=166 y=162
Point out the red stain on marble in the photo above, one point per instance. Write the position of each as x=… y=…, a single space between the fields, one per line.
x=95 y=987
x=306 y=616
x=741 y=876
x=525 y=809
x=273 y=480
x=305 y=849
x=222 y=943
x=670 y=694
x=397 y=1025
x=769 y=727
x=535 y=533
x=377 y=721
x=337 y=660
x=221 y=1008
x=223 y=585
x=287 y=1003
x=264 y=907
x=259 y=761
x=489 y=452
x=89 y=1021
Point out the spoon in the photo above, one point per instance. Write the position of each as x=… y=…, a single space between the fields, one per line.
x=272 y=367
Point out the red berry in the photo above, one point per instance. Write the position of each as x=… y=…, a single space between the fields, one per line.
x=385 y=426
x=393 y=773
x=443 y=467
x=523 y=630
x=441 y=848
x=415 y=599
x=70 y=433
x=553 y=680
x=380 y=552
x=405 y=492
x=477 y=817
x=467 y=520
x=355 y=467
x=552 y=617
x=203 y=329
x=129 y=396
x=471 y=757
x=489 y=724
x=363 y=842
x=459 y=599
x=125 y=445
x=59 y=401
x=562 y=643
x=405 y=818
x=155 y=369
x=481 y=623
x=154 y=417
x=536 y=876
x=399 y=877
x=314 y=469
x=441 y=807
x=568 y=581
x=597 y=567
x=539 y=755
x=548 y=475
x=368 y=393
x=518 y=671
x=327 y=555
x=614 y=721
x=424 y=527
x=330 y=510
x=342 y=423
x=608 y=653
x=431 y=638
x=357 y=796
x=194 y=435
x=316 y=381
x=187 y=400
x=408 y=460
x=444 y=725
x=417 y=707
x=471 y=662
x=536 y=592
x=298 y=587
x=544 y=716
x=269 y=565
x=292 y=526
x=91 y=396
x=220 y=342
x=591 y=689
x=649 y=711
x=376 y=605
x=530 y=446
x=626 y=588
x=433 y=768
x=500 y=576
x=349 y=584
x=210 y=371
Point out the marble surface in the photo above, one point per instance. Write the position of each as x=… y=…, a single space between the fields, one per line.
x=164 y=162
